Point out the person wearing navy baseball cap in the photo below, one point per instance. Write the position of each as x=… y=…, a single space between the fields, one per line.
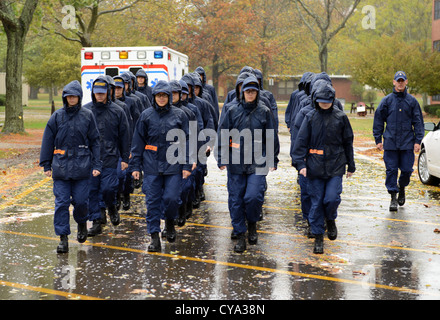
x=400 y=81
x=400 y=75
x=402 y=137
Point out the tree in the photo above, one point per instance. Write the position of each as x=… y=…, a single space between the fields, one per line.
x=270 y=24
x=86 y=13
x=16 y=18
x=217 y=35
x=51 y=63
x=376 y=63
x=319 y=21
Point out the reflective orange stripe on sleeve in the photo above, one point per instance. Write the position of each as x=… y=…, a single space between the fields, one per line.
x=234 y=145
x=149 y=147
x=57 y=151
x=319 y=152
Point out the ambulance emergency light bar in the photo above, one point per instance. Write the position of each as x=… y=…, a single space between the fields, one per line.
x=141 y=55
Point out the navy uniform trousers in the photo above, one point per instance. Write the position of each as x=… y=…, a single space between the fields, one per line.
x=75 y=192
x=325 y=197
x=163 y=198
x=246 y=198
x=103 y=188
x=395 y=160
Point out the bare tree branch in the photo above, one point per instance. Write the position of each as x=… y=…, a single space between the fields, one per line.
x=118 y=9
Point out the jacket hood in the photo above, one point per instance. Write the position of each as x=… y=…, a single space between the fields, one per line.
x=133 y=80
x=247 y=69
x=202 y=74
x=162 y=87
x=176 y=87
x=302 y=82
x=307 y=83
x=102 y=79
x=118 y=79
x=112 y=84
x=127 y=79
x=322 y=90
x=251 y=81
x=189 y=82
x=259 y=76
x=197 y=81
x=319 y=76
x=72 y=89
x=240 y=79
x=142 y=73
x=185 y=89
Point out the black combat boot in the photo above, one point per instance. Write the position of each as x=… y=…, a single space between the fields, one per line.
x=181 y=220
x=103 y=216
x=82 y=232
x=309 y=233
x=319 y=244
x=252 y=233
x=114 y=215
x=241 y=243
x=155 y=243
x=401 y=199
x=171 y=231
x=126 y=202
x=189 y=209
x=332 y=231
x=202 y=194
x=118 y=200
x=95 y=229
x=393 y=204
x=196 y=201
x=63 y=246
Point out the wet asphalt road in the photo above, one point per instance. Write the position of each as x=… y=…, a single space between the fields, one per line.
x=378 y=255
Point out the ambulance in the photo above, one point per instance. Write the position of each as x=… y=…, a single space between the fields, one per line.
x=160 y=63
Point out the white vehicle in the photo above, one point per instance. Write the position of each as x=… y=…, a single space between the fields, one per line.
x=160 y=63
x=429 y=158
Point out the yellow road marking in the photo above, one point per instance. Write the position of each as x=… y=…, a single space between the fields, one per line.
x=48 y=291
x=24 y=194
x=237 y=265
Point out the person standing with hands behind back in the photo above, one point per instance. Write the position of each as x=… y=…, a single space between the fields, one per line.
x=70 y=150
x=401 y=138
x=322 y=150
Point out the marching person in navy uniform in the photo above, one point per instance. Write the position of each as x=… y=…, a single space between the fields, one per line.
x=323 y=152
x=114 y=132
x=401 y=138
x=162 y=184
x=70 y=152
x=247 y=177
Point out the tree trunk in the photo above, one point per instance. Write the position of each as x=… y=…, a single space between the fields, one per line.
x=16 y=30
x=14 y=84
x=323 y=58
x=215 y=72
x=34 y=93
